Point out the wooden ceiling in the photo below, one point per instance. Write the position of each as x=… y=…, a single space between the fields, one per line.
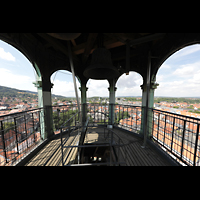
x=84 y=45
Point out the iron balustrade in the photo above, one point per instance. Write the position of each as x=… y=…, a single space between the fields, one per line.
x=128 y=117
x=177 y=134
x=113 y=141
x=19 y=133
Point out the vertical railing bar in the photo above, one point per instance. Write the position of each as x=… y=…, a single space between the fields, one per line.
x=172 y=133
x=101 y=112
x=131 y=118
x=25 y=129
x=61 y=146
x=136 y=119
x=3 y=140
x=158 y=125
x=196 y=142
x=164 y=131
x=127 y=118
x=16 y=134
x=183 y=138
x=123 y=115
x=39 y=113
x=153 y=123
x=33 y=128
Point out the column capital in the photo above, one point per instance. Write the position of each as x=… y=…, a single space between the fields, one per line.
x=38 y=84
x=86 y=88
x=115 y=88
x=153 y=86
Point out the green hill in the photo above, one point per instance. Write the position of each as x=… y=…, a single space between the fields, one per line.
x=12 y=92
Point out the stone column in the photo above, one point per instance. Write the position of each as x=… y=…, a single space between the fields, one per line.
x=112 y=90
x=83 y=90
x=44 y=101
x=153 y=86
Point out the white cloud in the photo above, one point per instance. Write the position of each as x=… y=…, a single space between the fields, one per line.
x=6 y=55
x=159 y=78
x=10 y=79
x=186 y=51
x=187 y=70
x=97 y=88
x=129 y=85
x=128 y=81
x=165 y=66
x=183 y=88
x=195 y=79
x=184 y=71
x=65 y=88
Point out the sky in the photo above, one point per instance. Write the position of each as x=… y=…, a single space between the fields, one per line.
x=178 y=76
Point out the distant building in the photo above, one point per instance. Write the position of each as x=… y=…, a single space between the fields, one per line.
x=3 y=107
x=19 y=106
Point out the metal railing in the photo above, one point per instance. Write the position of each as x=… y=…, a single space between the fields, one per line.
x=112 y=140
x=63 y=115
x=176 y=134
x=98 y=113
x=19 y=134
x=128 y=117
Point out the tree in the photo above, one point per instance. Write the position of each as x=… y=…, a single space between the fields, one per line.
x=8 y=126
x=122 y=115
x=60 y=118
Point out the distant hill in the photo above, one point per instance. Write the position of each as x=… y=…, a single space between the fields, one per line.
x=12 y=92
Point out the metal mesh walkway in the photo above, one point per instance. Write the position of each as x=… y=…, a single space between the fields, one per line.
x=132 y=154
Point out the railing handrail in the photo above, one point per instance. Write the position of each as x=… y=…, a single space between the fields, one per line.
x=131 y=123
x=22 y=112
x=81 y=145
x=194 y=118
x=62 y=126
x=19 y=134
x=177 y=135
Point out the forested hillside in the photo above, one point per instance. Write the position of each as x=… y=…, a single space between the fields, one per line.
x=11 y=92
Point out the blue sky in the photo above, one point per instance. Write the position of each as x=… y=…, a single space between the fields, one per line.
x=178 y=76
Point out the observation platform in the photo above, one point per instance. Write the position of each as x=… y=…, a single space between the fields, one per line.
x=127 y=147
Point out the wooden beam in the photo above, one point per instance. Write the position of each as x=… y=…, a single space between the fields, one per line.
x=57 y=45
x=79 y=49
x=112 y=44
x=73 y=42
x=89 y=45
x=54 y=42
x=147 y=38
